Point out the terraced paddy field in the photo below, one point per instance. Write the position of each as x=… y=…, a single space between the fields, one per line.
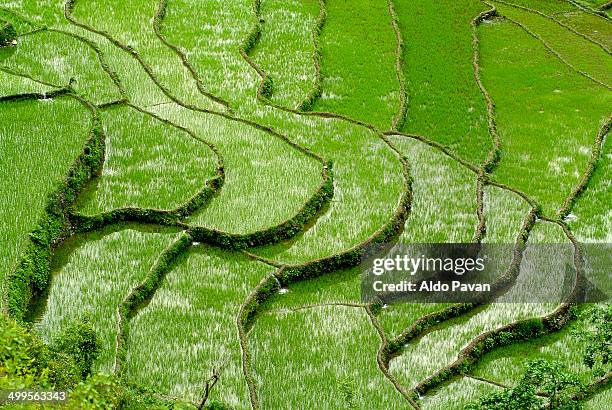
x=190 y=189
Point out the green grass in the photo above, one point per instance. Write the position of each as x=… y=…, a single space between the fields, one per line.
x=593 y=222
x=581 y=53
x=134 y=28
x=506 y=365
x=547 y=115
x=457 y=395
x=11 y=85
x=504 y=213
x=302 y=360
x=593 y=26
x=358 y=65
x=267 y=180
x=189 y=327
x=57 y=58
x=444 y=204
x=92 y=274
x=421 y=357
x=286 y=47
x=444 y=101
x=39 y=140
x=149 y=164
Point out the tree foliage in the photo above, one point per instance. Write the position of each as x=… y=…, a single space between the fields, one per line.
x=598 y=338
x=544 y=385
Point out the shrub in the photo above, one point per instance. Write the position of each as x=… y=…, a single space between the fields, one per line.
x=23 y=357
x=80 y=342
x=97 y=392
x=541 y=377
x=598 y=352
x=7 y=33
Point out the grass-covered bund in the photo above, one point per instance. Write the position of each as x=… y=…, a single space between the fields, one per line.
x=188 y=188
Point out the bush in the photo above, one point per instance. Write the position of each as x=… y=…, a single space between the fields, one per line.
x=80 y=342
x=551 y=379
x=97 y=392
x=23 y=357
x=7 y=33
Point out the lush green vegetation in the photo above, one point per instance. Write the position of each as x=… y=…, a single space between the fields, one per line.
x=319 y=349
x=176 y=167
x=505 y=365
x=591 y=217
x=586 y=56
x=191 y=187
x=58 y=59
x=266 y=179
x=285 y=50
x=547 y=126
x=39 y=140
x=358 y=59
x=444 y=102
x=92 y=276
x=189 y=327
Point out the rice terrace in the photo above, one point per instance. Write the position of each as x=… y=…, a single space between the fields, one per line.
x=191 y=190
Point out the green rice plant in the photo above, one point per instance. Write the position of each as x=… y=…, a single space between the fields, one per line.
x=590 y=219
x=266 y=180
x=211 y=34
x=504 y=213
x=444 y=196
x=397 y=317
x=323 y=357
x=92 y=274
x=439 y=348
x=547 y=115
x=549 y=7
x=595 y=3
x=166 y=55
x=600 y=401
x=39 y=140
x=591 y=25
x=443 y=210
x=19 y=24
x=444 y=101
x=367 y=186
x=134 y=29
x=340 y=287
x=361 y=159
x=422 y=357
x=285 y=48
x=458 y=394
x=584 y=55
x=506 y=365
x=358 y=62
x=12 y=85
x=60 y=60
x=189 y=327
x=230 y=65
x=149 y=164
x=134 y=80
